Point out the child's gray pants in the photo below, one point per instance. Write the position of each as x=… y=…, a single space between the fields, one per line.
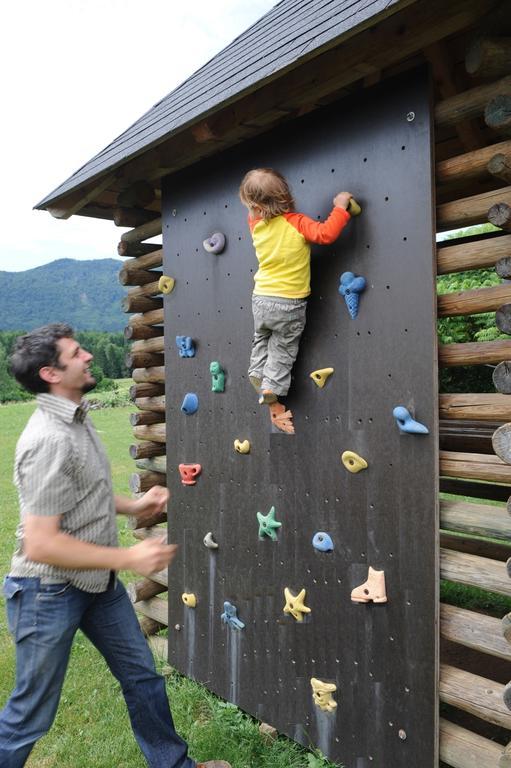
x=278 y=325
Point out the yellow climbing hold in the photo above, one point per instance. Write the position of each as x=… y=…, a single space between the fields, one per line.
x=294 y=604
x=242 y=447
x=320 y=376
x=322 y=694
x=353 y=207
x=166 y=284
x=353 y=462
x=189 y=599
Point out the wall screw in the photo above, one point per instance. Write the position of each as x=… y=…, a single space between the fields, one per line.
x=174 y=212
x=402 y=734
x=177 y=627
x=410 y=117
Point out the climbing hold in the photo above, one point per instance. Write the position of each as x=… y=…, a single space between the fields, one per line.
x=295 y=605
x=320 y=376
x=166 y=284
x=353 y=207
x=189 y=472
x=406 y=423
x=185 y=346
x=189 y=599
x=215 y=243
x=230 y=616
x=217 y=377
x=190 y=403
x=351 y=286
x=371 y=590
x=268 y=524
x=353 y=462
x=242 y=447
x=323 y=542
x=322 y=695
x=209 y=541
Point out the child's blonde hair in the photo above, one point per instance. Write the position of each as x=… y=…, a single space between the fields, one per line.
x=268 y=191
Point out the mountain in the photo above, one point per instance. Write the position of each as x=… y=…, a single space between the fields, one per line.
x=85 y=294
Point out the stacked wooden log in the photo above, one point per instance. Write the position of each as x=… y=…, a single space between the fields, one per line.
x=141 y=274
x=469 y=420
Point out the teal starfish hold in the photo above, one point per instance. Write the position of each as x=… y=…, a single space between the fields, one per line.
x=268 y=525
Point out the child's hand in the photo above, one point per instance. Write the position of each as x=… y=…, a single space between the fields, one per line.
x=342 y=200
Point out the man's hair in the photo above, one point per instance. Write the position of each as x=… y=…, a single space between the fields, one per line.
x=34 y=351
x=267 y=190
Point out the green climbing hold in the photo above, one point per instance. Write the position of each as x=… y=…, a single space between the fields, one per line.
x=217 y=377
x=268 y=525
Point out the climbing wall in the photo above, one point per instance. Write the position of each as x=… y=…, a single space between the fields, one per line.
x=382 y=658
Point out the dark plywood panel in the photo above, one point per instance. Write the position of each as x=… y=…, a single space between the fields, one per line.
x=383 y=658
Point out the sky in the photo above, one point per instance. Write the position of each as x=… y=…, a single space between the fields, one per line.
x=74 y=76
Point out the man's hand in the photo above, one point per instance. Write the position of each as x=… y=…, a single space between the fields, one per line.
x=342 y=200
x=150 y=555
x=150 y=505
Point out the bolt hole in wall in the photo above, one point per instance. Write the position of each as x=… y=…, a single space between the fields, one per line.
x=328 y=334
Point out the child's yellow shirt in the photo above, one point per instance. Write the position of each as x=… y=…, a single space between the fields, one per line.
x=282 y=246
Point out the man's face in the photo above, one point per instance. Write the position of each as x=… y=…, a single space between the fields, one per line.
x=74 y=372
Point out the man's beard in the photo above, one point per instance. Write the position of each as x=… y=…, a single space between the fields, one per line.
x=89 y=386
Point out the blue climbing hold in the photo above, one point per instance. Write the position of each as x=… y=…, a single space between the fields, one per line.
x=323 y=542
x=185 y=346
x=230 y=616
x=190 y=403
x=406 y=423
x=351 y=286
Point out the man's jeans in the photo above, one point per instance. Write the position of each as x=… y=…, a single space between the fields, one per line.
x=43 y=619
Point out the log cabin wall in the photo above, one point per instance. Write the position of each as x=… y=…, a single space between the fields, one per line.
x=473 y=185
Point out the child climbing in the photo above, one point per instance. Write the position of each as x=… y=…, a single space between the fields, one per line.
x=282 y=241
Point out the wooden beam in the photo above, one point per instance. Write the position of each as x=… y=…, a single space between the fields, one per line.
x=470 y=210
x=470 y=103
x=499 y=165
x=147 y=449
x=138 y=277
x=150 y=375
x=474 y=353
x=133 y=217
x=151 y=317
x=160 y=648
x=140 y=194
x=474 y=694
x=149 y=345
x=473 y=302
x=153 y=258
x=157 y=464
x=474 y=630
x=475 y=490
x=146 y=389
x=497 y=113
x=461 y=748
x=500 y=215
x=489 y=57
x=140 y=482
x=474 y=255
x=67 y=206
x=474 y=571
x=135 y=249
x=151 y=229
x=147 y=520
x=144 y=589
x=467 y=436
x=475 y=466
x=141 y=304
x=154 y=432
x=155 y=608
x=149 y=626
x=469 y=166
x=146 y=417
x=151 y=403
x=475 y=519
x=477 y=407
x=471 y=545
x=143 y=360
x=139 y=332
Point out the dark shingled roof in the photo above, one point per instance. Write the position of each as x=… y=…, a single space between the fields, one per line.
x=281 y=39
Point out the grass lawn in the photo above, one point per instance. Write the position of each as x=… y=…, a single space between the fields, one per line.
x=92 y=728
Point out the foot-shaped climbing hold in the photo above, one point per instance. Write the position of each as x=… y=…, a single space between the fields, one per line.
x=281 y=418
x=189 y=599
x=166 y=284
x=209 y=541
x=353 y=462
x=320 y=376
x=372 y=590
x=322 y=541
x=185 y=346
x=230 y=616
x=268 y=526
x=295 y=604
x=189 y=473
x=242 y=447
x=215 y=243
x=190 y=403
x=406 y=423
x=322 y=695
x=217 y=376
x=351 y=286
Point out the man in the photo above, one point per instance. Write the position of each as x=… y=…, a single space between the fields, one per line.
x=63 y=574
